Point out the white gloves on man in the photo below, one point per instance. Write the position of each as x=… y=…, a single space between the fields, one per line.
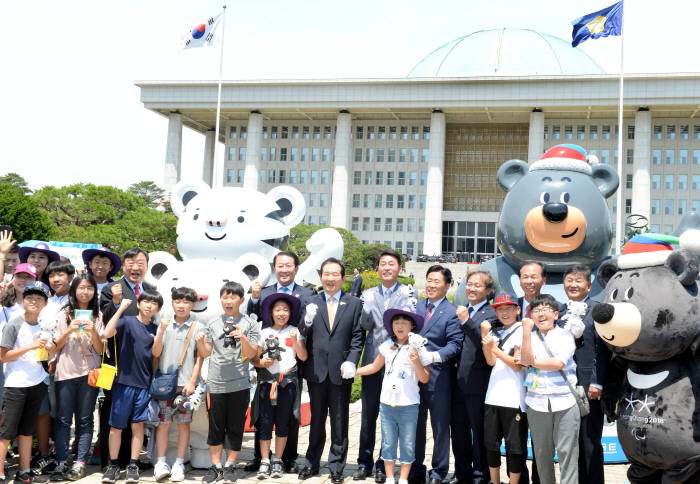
x=311 y=310
x=348 y=370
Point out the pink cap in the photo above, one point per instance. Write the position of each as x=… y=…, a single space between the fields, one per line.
x=27 y=268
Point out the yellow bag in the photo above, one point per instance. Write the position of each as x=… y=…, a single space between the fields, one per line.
x=104 y=376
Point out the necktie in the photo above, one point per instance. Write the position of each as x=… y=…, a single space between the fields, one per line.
x=284 y=290
x=429 y=312
x=527 y=312
x=137 y=291
x=471 y=310
x=331 y=311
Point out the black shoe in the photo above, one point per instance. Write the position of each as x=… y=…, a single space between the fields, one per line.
x=38 y=463
x=307 y=472
x=229 y=476
x=252 y=465
x=361 y=474
x=290 y=467
x=214 y=474
x=379 y=477
x=60 y=472
x=336 y=477
x=132 y=473
x=111 y=474
x=416 y=480
x=435 y=480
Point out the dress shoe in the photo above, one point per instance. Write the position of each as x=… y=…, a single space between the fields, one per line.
x=307 y=472
x=290 y=467
x=336 y=477
x=361 y=474
x=379 y=477
x=416 y=480
x=435 y=480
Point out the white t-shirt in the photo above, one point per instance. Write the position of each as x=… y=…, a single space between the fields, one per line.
x=400 y=384
x=25 y=371
x=287 y=350
x=506 y=385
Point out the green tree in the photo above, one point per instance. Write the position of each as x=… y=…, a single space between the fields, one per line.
x=147 y=191
x=23 y=214
x=16 y=181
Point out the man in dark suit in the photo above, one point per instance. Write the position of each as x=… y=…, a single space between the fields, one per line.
x=334 y=340
x=356 y=289
x=471 y=379
x=285 y=264
x=532 y=277
x=135 y=267
x=442 y=330
x=592 y=358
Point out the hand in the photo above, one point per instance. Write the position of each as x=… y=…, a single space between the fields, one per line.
x=413 y=355
x=164 y=323
x=6 y=242
x=462 y=313
x=88 y=325
x=516 y=353
x=3 y=286
x=200 y=337
x=488 y=342
x=39 y=343
x=188 y=389
x=485 y=328
x=293 y=334
x=266 y=362
x=237 y=333
x=594 y=393
x=74 y=325
x=528 y=324
x=117 y=293
x=255 y=290
x=347 y=370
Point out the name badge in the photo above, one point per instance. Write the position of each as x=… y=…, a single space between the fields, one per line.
x=531 y=377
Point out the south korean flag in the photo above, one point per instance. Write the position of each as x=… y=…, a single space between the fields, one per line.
x=203 y=34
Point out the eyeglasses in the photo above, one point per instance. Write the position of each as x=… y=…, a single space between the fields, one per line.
x=475 y=286
x=543 y=310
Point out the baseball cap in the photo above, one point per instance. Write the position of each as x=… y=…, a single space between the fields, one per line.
x=504 y=299
x=37 y=287
x=27 y=268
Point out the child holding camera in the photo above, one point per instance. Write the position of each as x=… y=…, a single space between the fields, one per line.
x=169 y=346
x=232 y=340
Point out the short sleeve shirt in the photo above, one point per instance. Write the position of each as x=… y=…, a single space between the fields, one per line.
x=228 y=370
x=400 y=384
x=173 y=343
x=25 y=371
x=505 y=384
x=78 y=356
x=135 y=364
x=287 y=351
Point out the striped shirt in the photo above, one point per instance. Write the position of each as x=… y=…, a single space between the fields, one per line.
x=552 y=392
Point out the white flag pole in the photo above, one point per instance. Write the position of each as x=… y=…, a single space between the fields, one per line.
x=218 y=168
x=618 y=221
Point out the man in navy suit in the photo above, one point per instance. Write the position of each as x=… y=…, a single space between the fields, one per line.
x=334 y=340
x=286 y=265
x=532 y=277
x=592 y=358
x=356 y=289
x=471 y=379
x=442 y=330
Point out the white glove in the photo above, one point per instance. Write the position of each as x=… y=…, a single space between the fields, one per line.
x=348 y=370
x=367 y=298
x=311 y=310
x=434 y=356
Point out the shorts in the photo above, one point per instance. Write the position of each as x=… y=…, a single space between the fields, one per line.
x=167 y=414
x=20 y=410
x=227 y=412
x=129 y=404
x=275 y=415
x=509 y=424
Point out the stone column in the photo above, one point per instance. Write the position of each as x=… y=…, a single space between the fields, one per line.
x=641 y=179
x=432 y=238
x=341 y=171
x=252 y=156
x=208 y=163
x=173 y=152
x=535 y=143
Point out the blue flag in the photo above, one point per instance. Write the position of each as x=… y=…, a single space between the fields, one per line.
x=598 y=24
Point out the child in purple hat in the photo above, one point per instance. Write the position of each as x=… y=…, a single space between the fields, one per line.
x=400 y=397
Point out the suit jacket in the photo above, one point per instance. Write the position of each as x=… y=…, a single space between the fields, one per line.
x=329 y=348
x=299 y=291
x=592 y=356
x=373 y=322
x=356 y=289
x=472 y=370
x=444 y=336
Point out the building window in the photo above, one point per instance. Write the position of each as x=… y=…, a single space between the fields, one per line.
x=670 y=157
x=696 y=157
x=377 y=224
x=315 y=154
x=388 y=224
x=271 y=176
x=556 y=132
x=366 y=200
x=421 y=228
x=317 y=132
x=426 y=132
x=629 y=181
x=314 y=177
x=305 y=132
x=630 y=157
x=628 y=206
x=682 y=207
x=404 y=132
x=411 y=201
x=295 y=132
x=410 y=225
x=232 y=153
x=413 y=178
x=568 y=132
x=696 y=182
x=312 y=199
x=605 y=156
x=294 y=156
x=369 y=155
x=592 y=132
x=696 y=131
x=324 y=201
x=365 y=224
x=381 y=131
x=392 y=132
x=380 y=155
x=263 y=154
x=230 y=176
x=302 y=177
x=273 y=154
x=668 y=182
x=682 y=182
x=580 y=131
x=304 y=154
x=324 y=177
x=403 y=154
x=355 y=223
x=232 y=132
x=263 y=176
x=378 y=200
x=282 y=176
x=399 y=225
x=695 y=206
x=390 y=201
x=684 y=131
x=655 y=206
x=358 y=132
x=671 y=131
x=283 y=154
x=264 y=132
x=273 y=132
x=658 y=132
x=285 y=132
x=424 y=153
x=327 y=132
x=606 y=131
x=400 y=201
x=379 y=178
x=415 y=133
x=656 y=157
x=655 y=182
x=293 y=177
x=422 y=202
x=312 y=220
x=668 y=207
x=368 y=178
x=241 y=154
x=390 y=178
x=392 y=155
x=326 y=156
x=357 y=178
x=402 y=178
x=546 y=132
x=244 y=132
x=370 y=132
x=414 y=155
x=683 y=157
x=630 y=131
x=423 y=178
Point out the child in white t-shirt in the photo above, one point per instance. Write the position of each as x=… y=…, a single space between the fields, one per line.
x=277 y=392
x=504 y=412
x=400 y=397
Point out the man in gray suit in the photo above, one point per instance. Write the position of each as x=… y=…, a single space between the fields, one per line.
x=389 y=294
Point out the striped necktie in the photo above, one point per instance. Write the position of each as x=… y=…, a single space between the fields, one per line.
x=331 y=311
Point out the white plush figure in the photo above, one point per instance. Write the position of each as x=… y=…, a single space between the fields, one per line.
x=416 y=341
x=324 y=243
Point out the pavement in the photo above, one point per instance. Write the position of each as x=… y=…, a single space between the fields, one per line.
x=614 y=474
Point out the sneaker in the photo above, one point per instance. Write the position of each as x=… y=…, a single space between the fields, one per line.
x=38 y=463
x=132 y=473
x=214 y=474
x=50 y=467
x=111 y=474
x=177 y=473
x=29 y=477
x=59 y=473
x=230 y=473
x=161 y=471
x=276 y=472
x=264 y=470
x=76 y=472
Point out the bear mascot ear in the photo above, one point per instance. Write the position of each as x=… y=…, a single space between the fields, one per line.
x=605 y=178
x=255 y=266
x=685 y=265
x=605 y=272
x=291 y=203
x=158 y=264
x=183 y=192
x=511 y=172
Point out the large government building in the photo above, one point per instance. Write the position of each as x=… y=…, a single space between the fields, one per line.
x=411 y=162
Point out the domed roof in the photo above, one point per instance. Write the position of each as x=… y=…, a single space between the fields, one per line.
x=505 y=52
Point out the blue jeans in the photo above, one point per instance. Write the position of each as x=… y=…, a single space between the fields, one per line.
x=399 y=427
x=74 y=396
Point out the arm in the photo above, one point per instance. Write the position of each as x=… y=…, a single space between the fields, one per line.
x=526 y=356
x=111 y=328
x=6 y=243
x=487 y=342
x=358 y=336
x=254 y=301
x=299 y=346
x=160 y=335
x=8 y=354
x=70 y=327
x=373 y=367
x=249 y=342
x=549 y=364
x=422 y=372
x=203 y=348
x=454 y=337
x=188 y=389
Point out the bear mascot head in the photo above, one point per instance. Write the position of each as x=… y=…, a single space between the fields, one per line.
x=555 y=213
x=649 y=316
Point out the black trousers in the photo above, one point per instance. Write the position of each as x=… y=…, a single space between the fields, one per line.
x=371 y=390
x=467 y=432
x=590 y=452
x=326 y=398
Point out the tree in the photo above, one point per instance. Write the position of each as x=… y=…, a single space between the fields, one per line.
x=22 y=213
x=16 y=181
x=148 y=191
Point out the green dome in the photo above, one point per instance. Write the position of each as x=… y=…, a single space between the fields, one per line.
x=505 y=52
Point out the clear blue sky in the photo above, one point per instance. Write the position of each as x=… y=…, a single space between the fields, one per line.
x=71 y=112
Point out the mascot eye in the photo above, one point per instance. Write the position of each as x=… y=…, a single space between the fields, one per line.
x=544 y=197
x=613 y=295
x=628 y=293
x=241 y=219
x=564 y=197
x=196 y=216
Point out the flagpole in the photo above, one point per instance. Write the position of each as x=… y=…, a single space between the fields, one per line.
x=217 y=171
x=618 y=222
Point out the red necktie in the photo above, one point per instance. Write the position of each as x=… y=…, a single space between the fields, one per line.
x=527 y=312
x=429 y=312
x=137 y=292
